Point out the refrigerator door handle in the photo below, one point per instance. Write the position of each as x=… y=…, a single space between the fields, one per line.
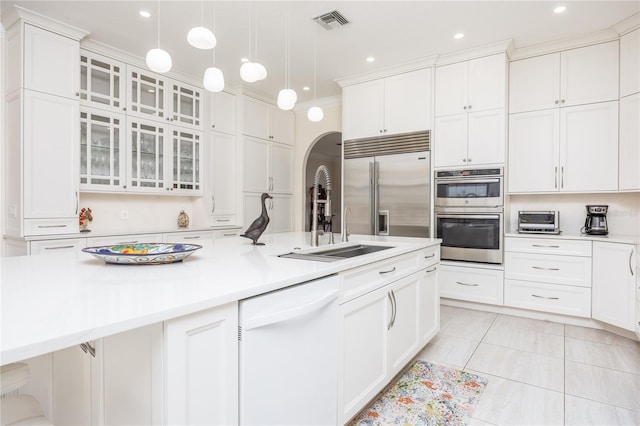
x=373 y=198
x=383 y=222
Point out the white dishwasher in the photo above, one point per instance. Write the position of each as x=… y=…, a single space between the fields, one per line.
x=288 y=355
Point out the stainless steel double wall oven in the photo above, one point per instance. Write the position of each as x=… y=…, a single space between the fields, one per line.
x=469 y=214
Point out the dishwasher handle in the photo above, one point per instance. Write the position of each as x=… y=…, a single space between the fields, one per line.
x=289 y=314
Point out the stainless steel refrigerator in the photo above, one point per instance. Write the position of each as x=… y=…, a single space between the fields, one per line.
x=387 y=185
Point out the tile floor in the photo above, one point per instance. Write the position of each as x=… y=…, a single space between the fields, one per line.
x=541 y=372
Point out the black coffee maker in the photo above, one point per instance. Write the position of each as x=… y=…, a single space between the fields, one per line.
x=596 y=221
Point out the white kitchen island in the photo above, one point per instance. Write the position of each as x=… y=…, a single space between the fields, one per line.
x=54 y=302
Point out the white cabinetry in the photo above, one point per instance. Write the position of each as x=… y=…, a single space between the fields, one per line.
x=201 y=368
x=573 y=77
x=556 y=149
x=102 y=82
x=614 y=284
x=552 y=275
x=266 y=121
x=267 y=166
x=386 y=317
x=222 y=179
x=396 y=104
x=473 y=284
x=56 y=246
x=42 y=133
x=469 y=124
x=222 y=112
x=279 y=209
x=630 y=63
x=203 y=238
x=629 y=157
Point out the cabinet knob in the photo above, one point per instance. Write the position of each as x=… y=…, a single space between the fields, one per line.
x=557 y=102
x=213 y=126
x=380 y=130
x=124 y=109
x=385 y=130
x=464 y=107
x=77 y=93
x=468 y=160
x=464 y=160
x=469 y=106
x=562 y=101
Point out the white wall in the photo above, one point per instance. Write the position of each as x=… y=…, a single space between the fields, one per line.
x=3 y=60
x=306 y=132
x=623 y=216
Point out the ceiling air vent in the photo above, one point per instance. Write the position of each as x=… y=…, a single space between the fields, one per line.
x=331 y=20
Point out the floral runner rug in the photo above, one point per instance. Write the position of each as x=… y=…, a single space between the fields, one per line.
x=426 y=394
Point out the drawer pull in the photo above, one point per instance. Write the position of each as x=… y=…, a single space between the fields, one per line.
x=58 y=248
x=544 y=297
x=542 y=245
x=387 y=272
x=52 y=226
x=468 y=285
x=545 y=269
x=430 y=256
x=195 y=237
x=430 y=270
x=231 y=234
x=223 y=220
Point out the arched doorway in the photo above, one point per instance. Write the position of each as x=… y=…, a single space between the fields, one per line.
x=326 y=150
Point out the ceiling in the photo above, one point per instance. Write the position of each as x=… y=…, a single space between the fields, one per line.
x=393 y=32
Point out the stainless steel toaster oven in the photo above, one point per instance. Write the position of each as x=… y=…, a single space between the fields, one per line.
x=539 y=222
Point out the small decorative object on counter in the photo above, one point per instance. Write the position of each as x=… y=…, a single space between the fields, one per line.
x=255 y=230
x=183 y=219
x=84 y=218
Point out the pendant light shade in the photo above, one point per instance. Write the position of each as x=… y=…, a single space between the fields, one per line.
x=201 y=38
x=249 y=72
x=213 y=79
x=159 y=60
x=315 y=114
x=287 y=99
x=262 y=71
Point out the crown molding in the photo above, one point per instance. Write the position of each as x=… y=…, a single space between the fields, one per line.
x=322 y=102
x=503 y=46
x=18 y=13
x=602 y=36
x=627 y=25
x=388 y=71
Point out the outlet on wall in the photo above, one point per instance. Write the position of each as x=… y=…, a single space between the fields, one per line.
x=124 y=214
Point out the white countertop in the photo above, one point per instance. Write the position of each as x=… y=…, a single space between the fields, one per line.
x=50 y=302
x=611 y=238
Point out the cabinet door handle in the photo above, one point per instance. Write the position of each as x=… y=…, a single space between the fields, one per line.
x=545 y=269
x=213 y=203
x=562 y=177
x=468 y=285
x=631 y=267
x=86 y=347
x=542 y=245
x=77 y=202
x=391 y=319
x=52 y=226
x=387 y=272
x=58 y=247
x=395 y=308
x=545 y=297
x=555 y=185
x=428 y=271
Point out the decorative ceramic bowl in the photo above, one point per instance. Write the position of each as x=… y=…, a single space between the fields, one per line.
x=143 y=253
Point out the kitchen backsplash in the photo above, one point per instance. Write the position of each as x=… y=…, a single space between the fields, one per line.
x=623 y=216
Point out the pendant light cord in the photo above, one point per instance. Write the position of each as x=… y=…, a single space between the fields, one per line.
x=286 y=45
x=158 y=22
x=315 y=65
x=213 y=28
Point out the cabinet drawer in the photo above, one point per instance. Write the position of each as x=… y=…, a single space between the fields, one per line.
x=567 y=270
x=429 y=256
x=359 y=281
x=473 y=284
x=223 y=220
x=57 y=246
x=560 y=299
x=548 y=246
x=50 y=226
x=195 y=237
x=226 y=233
x=124 y=239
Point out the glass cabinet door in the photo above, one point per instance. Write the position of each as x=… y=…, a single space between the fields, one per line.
x=186 y=103
x=101 y=150
x=187 y=151
x=146 y=93
x=101 y=84
x=147 y=156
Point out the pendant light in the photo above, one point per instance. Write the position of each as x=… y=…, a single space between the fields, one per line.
x=253 y=71
x=158 y=60
x=315 y=113
x=213 y=79
x=286 y=97
x=201 y=37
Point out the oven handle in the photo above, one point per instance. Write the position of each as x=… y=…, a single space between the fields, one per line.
x=467 y=216
x=466 y=180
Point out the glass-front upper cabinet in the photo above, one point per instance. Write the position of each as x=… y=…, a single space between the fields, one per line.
x=186 y=105
x=102 y=150
x=187 y=157
x=146 y=94
x=102 y=82
x=147 y=156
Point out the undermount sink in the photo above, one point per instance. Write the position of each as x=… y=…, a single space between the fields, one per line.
x=335 y=254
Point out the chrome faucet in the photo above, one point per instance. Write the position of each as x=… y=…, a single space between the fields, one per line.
x=322 y=169
x=345 y=229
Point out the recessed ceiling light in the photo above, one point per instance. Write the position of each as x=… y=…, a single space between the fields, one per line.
x=306 y=88
x=370 y=59
x=245 y=60
x=459 y=35
x=145 y=14
x=560 y=9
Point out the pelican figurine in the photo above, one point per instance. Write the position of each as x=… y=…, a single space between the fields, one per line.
x=255 y=230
